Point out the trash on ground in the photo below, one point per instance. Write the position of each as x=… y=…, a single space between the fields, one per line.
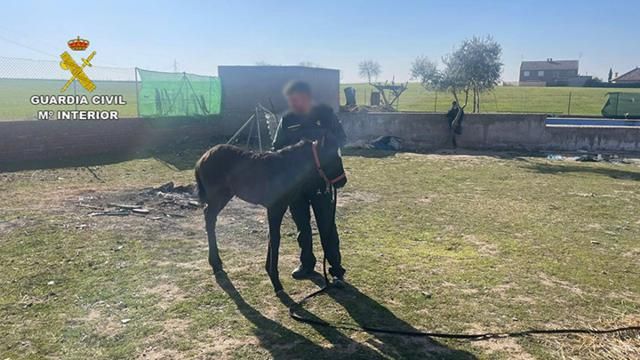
x=165 y=201
x=110 y=213
x=124 y=206
x=591 y=157
x=386 y=142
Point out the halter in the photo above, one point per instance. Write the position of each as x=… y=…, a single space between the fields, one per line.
x=323 y=175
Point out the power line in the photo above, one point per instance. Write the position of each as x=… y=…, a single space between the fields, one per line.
x=26 y=46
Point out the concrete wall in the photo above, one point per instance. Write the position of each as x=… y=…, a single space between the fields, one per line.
x=22 y=142
x=527 y=132
x=63 y=140
x=243 y=87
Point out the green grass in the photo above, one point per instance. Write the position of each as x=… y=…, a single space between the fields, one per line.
x=433 y=242
x=553 y=100
x=15 y=95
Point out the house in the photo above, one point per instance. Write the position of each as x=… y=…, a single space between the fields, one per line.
x=629 y=78
x=551 y=73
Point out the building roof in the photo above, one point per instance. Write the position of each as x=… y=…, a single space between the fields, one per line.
x=550 y=64
x=631 y=76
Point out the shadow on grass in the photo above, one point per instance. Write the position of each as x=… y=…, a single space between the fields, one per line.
x=368 y=153
x=283 y=343
x=498 y=154
x=565 y=168
x=369 y=313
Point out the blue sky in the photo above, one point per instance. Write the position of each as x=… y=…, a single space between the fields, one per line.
x=200 y=35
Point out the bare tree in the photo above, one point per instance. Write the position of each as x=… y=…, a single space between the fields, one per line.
x=369 y=69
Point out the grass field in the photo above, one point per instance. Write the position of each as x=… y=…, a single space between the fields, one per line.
x=15 y=94
x=461 y=243
x=15 y=97
x=552 y=100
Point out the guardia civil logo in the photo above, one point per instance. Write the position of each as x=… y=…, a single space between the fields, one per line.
x=83 y=106
x=77 y=71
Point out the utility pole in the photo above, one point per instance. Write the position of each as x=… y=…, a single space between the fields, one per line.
x=175 y=66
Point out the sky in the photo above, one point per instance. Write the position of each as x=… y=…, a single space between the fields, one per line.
x=200 y=35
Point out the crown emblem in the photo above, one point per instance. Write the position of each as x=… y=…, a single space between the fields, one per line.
x=78 y=44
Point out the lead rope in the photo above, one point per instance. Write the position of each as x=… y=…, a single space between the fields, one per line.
x=417 y=333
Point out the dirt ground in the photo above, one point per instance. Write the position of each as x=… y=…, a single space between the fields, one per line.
x=110 y=262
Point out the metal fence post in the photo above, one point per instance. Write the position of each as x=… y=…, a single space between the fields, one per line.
x=135 y=71
x=435 y=102
x=569 y=106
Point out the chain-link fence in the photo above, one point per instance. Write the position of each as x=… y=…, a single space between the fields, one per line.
x=20 y=79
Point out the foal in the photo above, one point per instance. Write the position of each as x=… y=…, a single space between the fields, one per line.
x=269 y=179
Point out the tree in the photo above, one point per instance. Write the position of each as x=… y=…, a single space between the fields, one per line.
x=479 y=62
x=450 y=79
x=426 y=71
x=610 y=78
x=369 y=69
x=471 y=69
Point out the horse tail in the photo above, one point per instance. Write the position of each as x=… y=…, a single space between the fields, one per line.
x=202 y=193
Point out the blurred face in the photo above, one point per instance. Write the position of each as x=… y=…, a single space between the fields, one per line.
x=299 y=103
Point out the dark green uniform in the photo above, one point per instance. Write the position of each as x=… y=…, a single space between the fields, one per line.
x=321 y=121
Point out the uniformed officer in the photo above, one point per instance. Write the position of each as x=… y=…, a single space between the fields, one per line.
x=305 y=121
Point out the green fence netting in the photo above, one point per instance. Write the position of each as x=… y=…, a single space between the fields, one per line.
x=622 y=105
x=162 y=94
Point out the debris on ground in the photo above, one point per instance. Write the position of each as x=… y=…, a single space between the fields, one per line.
x=590 y=157
x=165 y=201
x=386 y=142
x=110 y=213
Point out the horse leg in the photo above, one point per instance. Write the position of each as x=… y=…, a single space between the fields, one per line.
x=274 y=215
x=211 y=211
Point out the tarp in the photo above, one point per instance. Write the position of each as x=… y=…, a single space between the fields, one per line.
x=622 y=105
x=163 y=94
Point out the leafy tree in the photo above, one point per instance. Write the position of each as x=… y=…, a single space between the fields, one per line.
x=369 y=69
x=426 y=71
x=477 y=61
x=469 y=70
